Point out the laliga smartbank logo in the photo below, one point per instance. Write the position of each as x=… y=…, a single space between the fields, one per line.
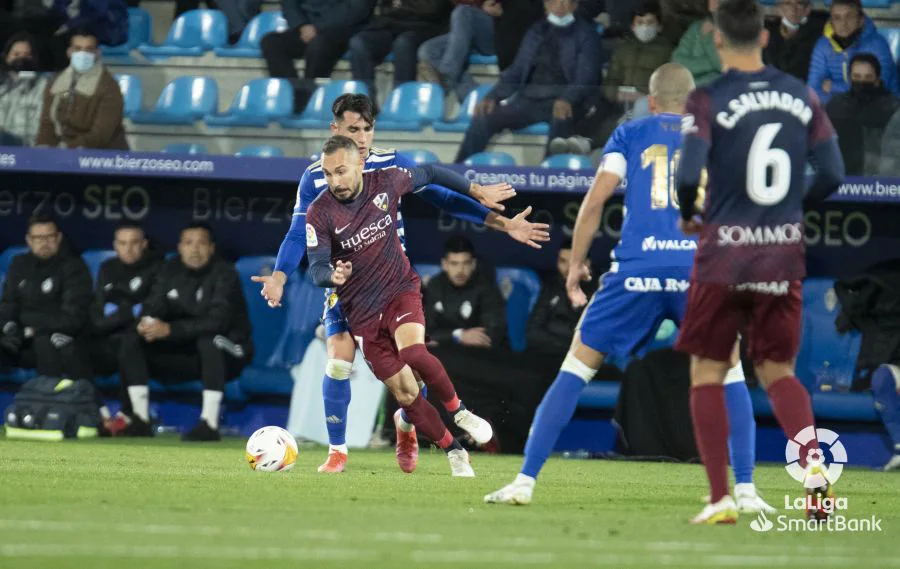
x=827 y=512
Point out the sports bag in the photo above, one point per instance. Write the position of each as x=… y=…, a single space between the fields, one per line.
x=51 y=408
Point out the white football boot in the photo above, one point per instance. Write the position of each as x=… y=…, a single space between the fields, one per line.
x=518 y=493
x=459 y=464
x=478 y=428
x=722 y=512
x=749 y=501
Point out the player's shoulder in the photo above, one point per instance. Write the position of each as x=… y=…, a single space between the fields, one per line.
x=318 y=203
x=381 y=157
x=313 y=169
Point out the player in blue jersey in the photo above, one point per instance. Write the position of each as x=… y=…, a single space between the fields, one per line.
x=753 y=130
x=353 y=117
x=646 y=283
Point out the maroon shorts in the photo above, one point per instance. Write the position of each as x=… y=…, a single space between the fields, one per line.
x=376 y=340
x=716 y=313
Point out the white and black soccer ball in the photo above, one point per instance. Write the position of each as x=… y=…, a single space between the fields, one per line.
x=271 y=449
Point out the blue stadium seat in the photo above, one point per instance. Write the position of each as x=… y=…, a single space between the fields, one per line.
x=822 y=350
x=256 y=104
x=466 y=111
x=426 y=271
x=317 y=114
x=94 y=258
x=183 y=101
x=569 y=161
x=892 y=35
x=421 y=156
x=540 y=128
x=600 y=395
x=139 y=26
x=411 y=107
x=6 y=258
x=520 y=288
x=248 y=44
x=267 y=325
x=479 y=59
x=260 y=151
x=191 y=35
x=132 y=93
x=490 y=159
x=185 y=148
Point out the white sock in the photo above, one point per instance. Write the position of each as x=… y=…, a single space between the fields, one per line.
x=524 y=480
x=140 y=401
x=104 y=412
x=212 y=402
x=746 y=488
x=337 y=448
x=403 y=425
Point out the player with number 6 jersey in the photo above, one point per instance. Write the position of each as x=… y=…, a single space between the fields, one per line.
x=753 y=130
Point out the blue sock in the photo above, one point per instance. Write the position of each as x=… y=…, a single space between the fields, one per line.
x=552 y=415
x=403 y=416
x=336 y=393
x=742 y=431
x=887 y=401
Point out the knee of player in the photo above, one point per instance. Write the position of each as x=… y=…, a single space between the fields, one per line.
x=341 y=346
x=405 y=397
x=578 y=368
x=768 y=372
x=338 y=369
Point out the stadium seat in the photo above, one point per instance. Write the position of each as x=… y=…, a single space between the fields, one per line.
x=183 y=101
x=261 y=151
x=192 y=34
x=568 y=161
x=6 y=258
x=256 y=104
x=892 y=35
x=466 y=111
x=421 y=156
x=479 y=59
x=94 y=258
x=132 y=93
x=139 y=26
x=490 y=159
x=426 y=271
x=317 y=114
x=824 y=354
x=599 y=395
x=185 y=148
x=540 y=128
x=248 y=44
x=411 y=107
x=520 y=288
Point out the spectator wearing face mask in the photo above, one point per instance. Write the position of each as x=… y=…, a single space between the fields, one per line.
x=792 y=36
x=848 y=32
x=697 y=50
x=21 y=92
x=83 y=104
x=861 y=114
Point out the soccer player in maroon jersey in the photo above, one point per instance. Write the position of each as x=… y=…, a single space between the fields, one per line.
x=352 y=242
x=753 y=129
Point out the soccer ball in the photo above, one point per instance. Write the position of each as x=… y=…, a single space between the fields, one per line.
x=271 y=449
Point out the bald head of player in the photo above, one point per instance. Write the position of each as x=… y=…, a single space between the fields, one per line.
x=343 y=167
x=670 y=86
x=740 y=35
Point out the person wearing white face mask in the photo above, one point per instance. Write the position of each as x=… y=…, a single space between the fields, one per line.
x=83 y=104
x=792 y=36
x=21 y=92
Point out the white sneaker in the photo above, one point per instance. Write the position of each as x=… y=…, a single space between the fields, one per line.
x=459 y=464
x=893 y=463
x=478 y=428
x=518 y=494
x=722 y=512
x=749 y=501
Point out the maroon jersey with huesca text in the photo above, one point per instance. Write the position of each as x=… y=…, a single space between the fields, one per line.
x=364 y=232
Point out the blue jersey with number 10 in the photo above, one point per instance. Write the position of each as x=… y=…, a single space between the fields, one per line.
x=645 y=153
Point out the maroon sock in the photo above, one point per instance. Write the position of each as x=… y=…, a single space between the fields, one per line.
x=428 y=421
x=432 y=372
x=793 y=410
x=710 y=419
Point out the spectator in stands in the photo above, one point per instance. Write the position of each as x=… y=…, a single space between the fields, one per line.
x=44 y=307
x=861 y=114
x=553 y=319
x=123 y=284
x=678 y=15
x=83 y=104
x=445 y=59
x=848 y=32
x=399 y=29
x=697 y=51
x=318 y=31
x=107 y=20
x=462 y=303
x=193 y=323
x=554 y=78
x=793 y=35
x=21 y=92
x=890 y=147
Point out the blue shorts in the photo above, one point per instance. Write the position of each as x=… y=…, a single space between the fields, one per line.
x=624 y=314
x=333 y=317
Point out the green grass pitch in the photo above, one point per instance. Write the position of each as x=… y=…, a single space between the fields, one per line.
x=164 y=504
